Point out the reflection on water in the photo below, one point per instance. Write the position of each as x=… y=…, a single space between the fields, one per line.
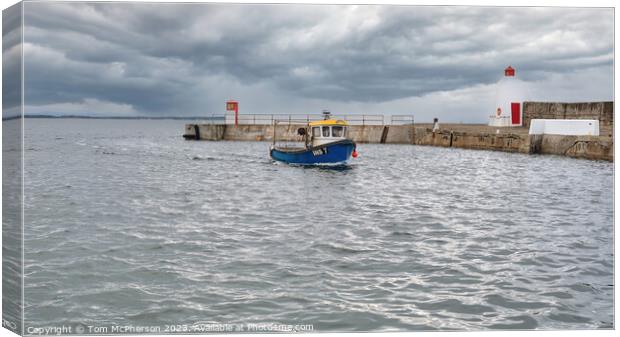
x=337 y=168
x=130 y=224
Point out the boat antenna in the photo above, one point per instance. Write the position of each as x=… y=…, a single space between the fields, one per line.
x=326 y=114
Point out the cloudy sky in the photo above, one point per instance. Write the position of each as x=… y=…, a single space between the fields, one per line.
x=161 y=59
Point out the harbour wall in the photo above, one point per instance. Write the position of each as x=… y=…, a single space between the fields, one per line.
x=601 y=111
x=479 y=137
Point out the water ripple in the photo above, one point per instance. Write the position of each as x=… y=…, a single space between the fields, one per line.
x=146 y=228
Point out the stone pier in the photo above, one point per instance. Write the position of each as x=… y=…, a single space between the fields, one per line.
x=465 y=136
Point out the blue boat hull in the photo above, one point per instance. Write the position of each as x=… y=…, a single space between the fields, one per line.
x=332 y=153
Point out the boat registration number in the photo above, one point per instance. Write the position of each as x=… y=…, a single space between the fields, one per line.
x=319 y=152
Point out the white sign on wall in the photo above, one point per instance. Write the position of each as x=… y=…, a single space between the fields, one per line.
x=569 y=127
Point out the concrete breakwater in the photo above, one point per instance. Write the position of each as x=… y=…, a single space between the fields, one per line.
x=466 y=136
x=601 y=111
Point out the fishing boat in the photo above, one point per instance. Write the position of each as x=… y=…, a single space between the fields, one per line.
x=325 y=142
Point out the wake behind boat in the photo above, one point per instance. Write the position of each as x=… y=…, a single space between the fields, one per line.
x=325 y=142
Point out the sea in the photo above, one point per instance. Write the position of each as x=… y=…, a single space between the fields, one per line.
x=129 y=225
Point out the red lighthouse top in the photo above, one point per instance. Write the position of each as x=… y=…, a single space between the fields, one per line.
x=509 y=71
x=232 y=105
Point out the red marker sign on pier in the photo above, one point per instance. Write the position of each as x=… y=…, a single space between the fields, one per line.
x=233 y=106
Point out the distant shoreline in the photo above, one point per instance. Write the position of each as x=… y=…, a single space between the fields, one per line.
x=112 y=117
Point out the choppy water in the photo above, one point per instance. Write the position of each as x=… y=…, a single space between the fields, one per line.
x=127 y=223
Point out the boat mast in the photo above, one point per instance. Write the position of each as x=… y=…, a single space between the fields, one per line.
x=275 y=122
x=326 y=114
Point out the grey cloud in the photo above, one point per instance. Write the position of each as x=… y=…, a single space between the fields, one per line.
x=11 y=61
x=158 y=57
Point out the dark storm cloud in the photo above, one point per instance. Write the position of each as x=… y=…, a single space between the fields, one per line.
x=11 y=65
x=176 y=58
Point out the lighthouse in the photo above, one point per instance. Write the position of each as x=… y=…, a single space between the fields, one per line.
x=511 y=93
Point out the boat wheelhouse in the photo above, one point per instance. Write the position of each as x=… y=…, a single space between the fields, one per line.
x=328 y=131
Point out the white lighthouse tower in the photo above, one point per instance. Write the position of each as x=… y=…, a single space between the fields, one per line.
x=511 y=92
